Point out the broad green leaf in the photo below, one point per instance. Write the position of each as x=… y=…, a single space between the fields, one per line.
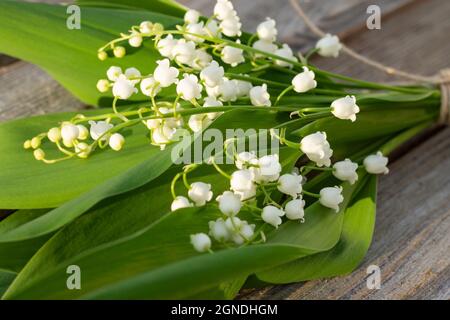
x=359 y=222
x=122 y=216
x=27 y=183
x=14 y=255
x=38 y=33
x=167 y=7
x=6 y=278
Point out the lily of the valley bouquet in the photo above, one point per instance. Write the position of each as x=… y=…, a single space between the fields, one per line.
x=216 y=160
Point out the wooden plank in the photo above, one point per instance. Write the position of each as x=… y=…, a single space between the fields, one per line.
x=411 y=243
x=26 y=90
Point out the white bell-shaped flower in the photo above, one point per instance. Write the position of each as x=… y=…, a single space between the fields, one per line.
x=243 y=88
x=165 y=46
x=136 y=40
x=180 y=202
x=346 y=171
x=54 y=134
x=212 y=102
x=267 y=30
x=345 y=108
x=113 y=73
x=116 y=141
x=329 y=46
x=146 y=27
x=197 y=122
x=240 y=230
x=245 y=159
x=69 y=132
x=242 y=184
x=260 y=97
x=376 y=164
x=213 y=74
x=188 y=88
x=272 y=215
x=133 y=75
x=201 y=242
x=317 y=148
x=265 y=46
x=212 y=29
x=290 y=184
x=162 y=135
x=196 y=32
x=123 y=88
x=150 y=87
x=184 y=52
x=295 y=209
x=228 y=90
x=164 y=74
x=202 y=59
x=200 y=193
x=229 y=203
x=99 y=129
x=231 y=26
x=331 y=197
x=232 y=56
x=224 y=9
x=218 y=230
x=286 y=52
x=268 y=170
x=304 y=81
x=83 y=132
x=191 y=16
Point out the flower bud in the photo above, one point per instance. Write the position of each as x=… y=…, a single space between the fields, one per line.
x=201 y=242
x=145 y=27
x=54 y=134
x=83 y=132
x=69 y=132
x=260 y=97
x=290 y=184
x=331 y=197
x=272 y=215
x=180 y=203
x=119 y=52
x=376 y=164
x=27 y=144
x=191 y=16
x=116 y=141
x=345 y=108
x=200 y=193
x=136 y=40
x=103 y=85
x=267 y=30
x=303 y=82
x=102 y=55
x=35 y=142
x=317 y=148
x=295 y=209
x=83 y=150
x=329 y=46
x=229 y=203
x=39 y=154
x=346 y=171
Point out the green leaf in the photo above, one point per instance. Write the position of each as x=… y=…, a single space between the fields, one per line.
x=14 y=255
x=27 y=183
x=168 y=7
x=164 y=248
x=38 y=33
x=358 y=226
x=6 y=278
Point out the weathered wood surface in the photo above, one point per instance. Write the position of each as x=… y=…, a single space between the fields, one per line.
x=411 y=241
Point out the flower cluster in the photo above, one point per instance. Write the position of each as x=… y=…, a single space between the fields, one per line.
x=254 y=183
x=195 y=58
